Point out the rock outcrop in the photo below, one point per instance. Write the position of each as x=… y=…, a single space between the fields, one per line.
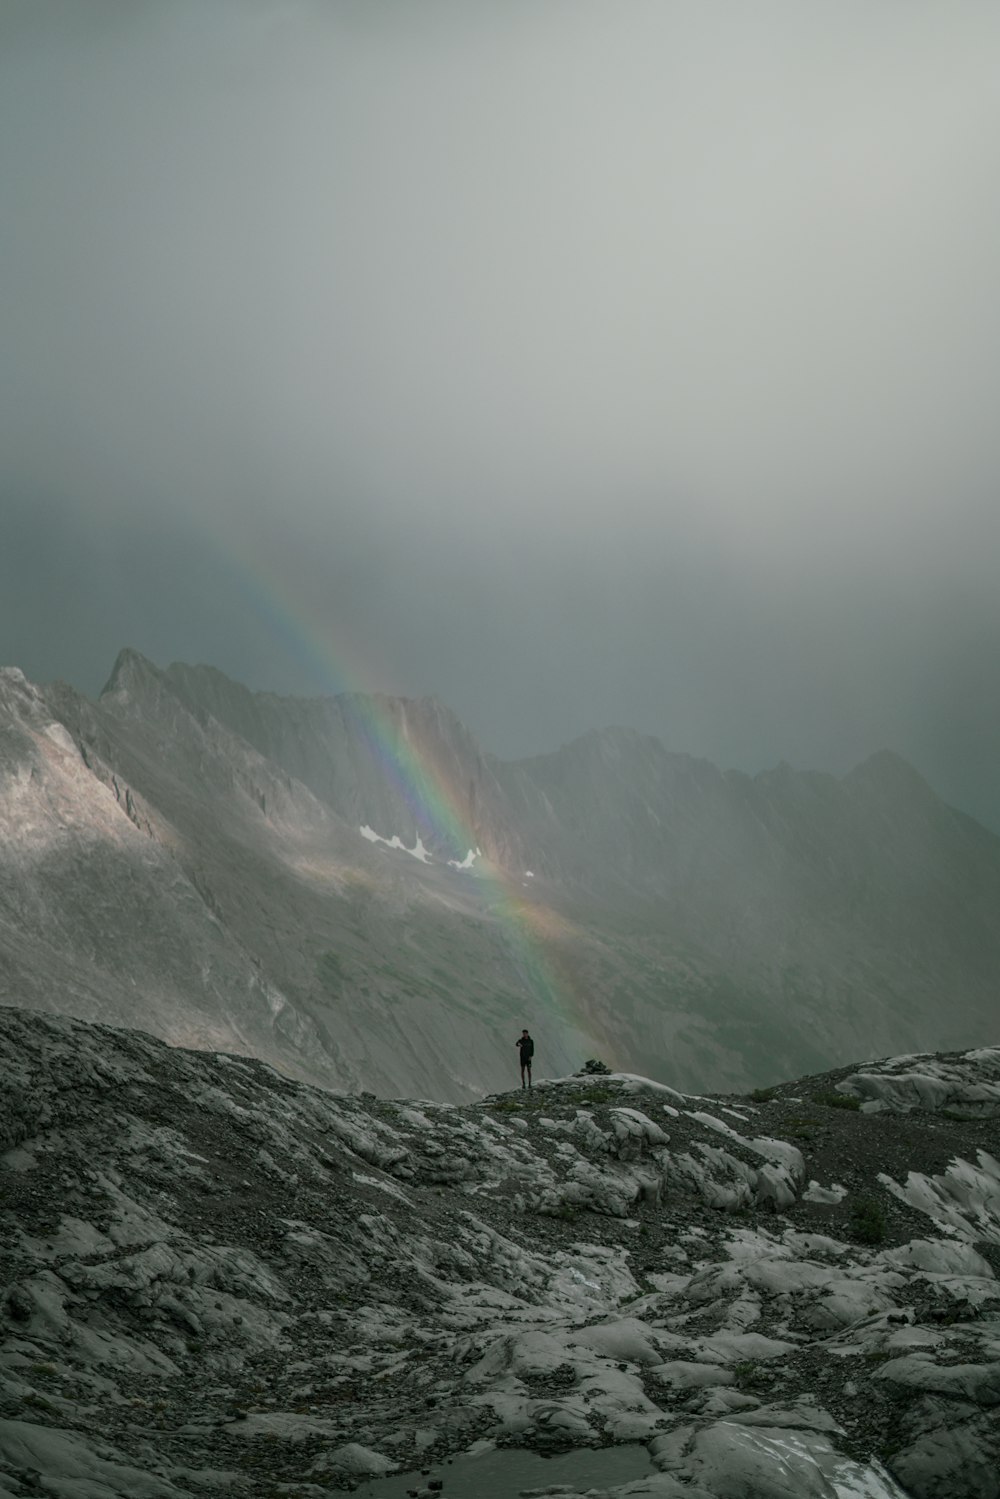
x=218 y=1280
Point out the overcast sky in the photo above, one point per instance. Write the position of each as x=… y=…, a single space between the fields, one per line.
x=578 y=361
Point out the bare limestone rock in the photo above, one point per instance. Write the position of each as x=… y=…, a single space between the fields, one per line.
x=216 y=1280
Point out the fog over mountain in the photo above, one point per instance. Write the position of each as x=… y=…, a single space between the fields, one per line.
x=572 y=365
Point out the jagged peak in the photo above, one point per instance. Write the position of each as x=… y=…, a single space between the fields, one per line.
x=886 y=770
x=783 y=771
x=617 y=744
x=15 y=687
x=612 y=739
x=131 y=669
x=430 y=706
x=201 y=669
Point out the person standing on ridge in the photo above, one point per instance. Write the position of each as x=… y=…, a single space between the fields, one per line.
x=526 y=1047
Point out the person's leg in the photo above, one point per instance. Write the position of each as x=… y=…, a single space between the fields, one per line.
x=522 y=1075
x=529 y=1074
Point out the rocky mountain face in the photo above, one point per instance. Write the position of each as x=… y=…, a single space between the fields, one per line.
x=352 y=889
x=374 y=760
x=216 y=1280
x=98 y=914
x=786 y=905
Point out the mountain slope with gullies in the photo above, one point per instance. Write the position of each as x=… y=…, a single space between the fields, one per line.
x=355 y=891
x=216 y=1280
x=97 y=915
x=375 y=760
x=789 y=914
x=161 y=873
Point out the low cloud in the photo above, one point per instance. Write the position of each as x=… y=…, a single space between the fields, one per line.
x=577 y=365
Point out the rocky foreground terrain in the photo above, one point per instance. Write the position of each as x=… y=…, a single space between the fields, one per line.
x=216 y=1280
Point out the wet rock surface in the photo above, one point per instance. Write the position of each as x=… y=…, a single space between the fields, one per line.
x=215 y=1279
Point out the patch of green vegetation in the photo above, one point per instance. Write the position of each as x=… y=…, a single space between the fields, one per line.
x=763 y=1095
x=868 y=1223
x=880 y=1355
x=838 y=1100
x=598 y=1095
x=747 y=1374
x=42 y=1402
x=581 y=1097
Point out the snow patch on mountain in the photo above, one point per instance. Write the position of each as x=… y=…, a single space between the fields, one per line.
x=418 y=851
x=467 y=862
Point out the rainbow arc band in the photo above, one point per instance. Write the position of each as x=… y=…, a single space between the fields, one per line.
x=539 y=941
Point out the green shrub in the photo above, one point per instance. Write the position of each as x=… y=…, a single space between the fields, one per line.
x=868 y=1223
x=598 y=1095
x=838 y=1100
x=763 y=1095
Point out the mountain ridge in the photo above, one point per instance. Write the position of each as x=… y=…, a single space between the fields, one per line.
x=621 y=900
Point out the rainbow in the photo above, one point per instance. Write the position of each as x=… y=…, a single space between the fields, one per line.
x=538 y=939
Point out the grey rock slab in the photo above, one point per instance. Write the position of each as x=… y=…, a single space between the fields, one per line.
x=955 y=1456
x=977 y=1382
x=803 y=1415
x=70 y=1465
x=357 y=1460
x=939 y=1257
x=963 y=1199
x=737 y=1462
x=969 y=1083
x=733 y=1347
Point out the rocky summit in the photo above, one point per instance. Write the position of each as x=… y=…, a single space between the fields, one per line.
x=218 y=1280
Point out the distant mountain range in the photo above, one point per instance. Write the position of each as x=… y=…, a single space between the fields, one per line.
x=232 y=870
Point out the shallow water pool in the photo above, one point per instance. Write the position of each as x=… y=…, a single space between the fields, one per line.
x=503 y=1473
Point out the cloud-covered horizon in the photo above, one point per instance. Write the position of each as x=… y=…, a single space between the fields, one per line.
x=576 y=364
